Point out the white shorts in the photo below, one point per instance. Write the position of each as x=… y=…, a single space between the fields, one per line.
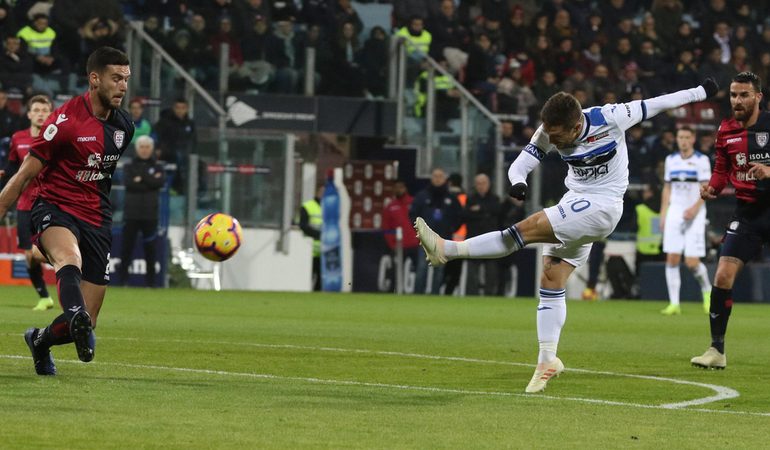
x=685 y=237
x=578 y=220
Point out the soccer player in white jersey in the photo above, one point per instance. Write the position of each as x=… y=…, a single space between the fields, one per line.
x=683 y=218
x=592 y=142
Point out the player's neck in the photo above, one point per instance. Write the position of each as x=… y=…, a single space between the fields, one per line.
x=99 y=110
x=686 y=153
x=34 y=131
x=751 y=120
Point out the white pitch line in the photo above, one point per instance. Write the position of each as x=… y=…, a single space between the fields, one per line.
x=721 y=392
x=263 y=376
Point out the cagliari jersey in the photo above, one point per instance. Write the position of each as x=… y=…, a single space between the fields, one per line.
x=598 y=160
x=79 y=153
x=736 y=147
x=686 y=176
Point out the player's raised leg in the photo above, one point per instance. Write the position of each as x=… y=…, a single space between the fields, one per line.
x=495 y=244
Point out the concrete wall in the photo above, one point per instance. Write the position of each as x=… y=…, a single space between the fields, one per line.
x=258 y=266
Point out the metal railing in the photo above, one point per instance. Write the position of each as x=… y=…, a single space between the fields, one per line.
x=470 y=107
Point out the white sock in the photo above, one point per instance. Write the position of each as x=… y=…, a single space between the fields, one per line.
x=551 y=315
x=702 y=276
x=494 y=244
x=674 y=282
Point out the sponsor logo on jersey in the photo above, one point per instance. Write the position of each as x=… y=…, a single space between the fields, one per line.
x=585 y=173
x=740 y=159
x=596 y=137
x=759 y=156
x=94 y=160
x=744 y=176
x=762 y=138
x=89 y=175
x=86 y=139
x=50 y=132
x=118 y=137
x=734 y=140
x=61 y=118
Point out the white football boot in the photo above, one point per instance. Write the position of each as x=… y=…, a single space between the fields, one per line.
x=712 y=359
x=431 y=242
x=543 y=373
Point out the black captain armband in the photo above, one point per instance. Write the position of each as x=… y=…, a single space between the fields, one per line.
x=533 y=150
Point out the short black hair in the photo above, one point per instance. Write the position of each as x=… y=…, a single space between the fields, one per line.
x=103 y=57
x=562 y=109
x=749 y=77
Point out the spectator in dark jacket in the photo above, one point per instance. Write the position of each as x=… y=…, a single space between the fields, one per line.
x=144 y=179
x=442 y=212
x=375 y=51
x=481 y=214
x=176 y=140
x=15 y=65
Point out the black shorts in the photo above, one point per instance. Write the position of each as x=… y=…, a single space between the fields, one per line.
x=94 y=242
x=24 y=229
x=747 y=232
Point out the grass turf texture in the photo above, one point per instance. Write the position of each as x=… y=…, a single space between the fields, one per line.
x=192 y=369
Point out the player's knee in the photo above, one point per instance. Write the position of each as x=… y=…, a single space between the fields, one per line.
x=692 y=265
x=724 y=279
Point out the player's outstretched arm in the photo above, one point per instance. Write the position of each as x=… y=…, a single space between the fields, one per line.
x=656 y=105
x=16 y=185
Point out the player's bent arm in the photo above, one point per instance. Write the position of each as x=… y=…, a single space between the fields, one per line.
x=530 y=157
x=16 y=185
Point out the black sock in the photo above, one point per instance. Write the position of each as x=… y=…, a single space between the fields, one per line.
x=36 y=276
x=70 y=296
x=721 y=306
x=58 y=333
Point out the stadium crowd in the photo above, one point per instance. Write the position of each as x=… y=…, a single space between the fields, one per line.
x=512 y=54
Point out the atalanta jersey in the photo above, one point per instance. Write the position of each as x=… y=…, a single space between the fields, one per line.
x=80 y=153
x=599 y=159
x=736 y=147
x=686 y=176
x=21 y=142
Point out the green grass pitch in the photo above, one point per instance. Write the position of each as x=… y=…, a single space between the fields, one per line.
x=191 y=369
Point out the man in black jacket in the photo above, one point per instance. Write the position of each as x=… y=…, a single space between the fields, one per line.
x=481 y=214
x=176 y=140
x=441 y=209
x=144 y=179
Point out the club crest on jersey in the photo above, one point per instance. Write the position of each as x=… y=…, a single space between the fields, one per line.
x=118 y=137
x=740 y=159
x=762 y=139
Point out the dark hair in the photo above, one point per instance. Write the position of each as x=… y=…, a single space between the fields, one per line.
x=749 y=77
x=39 y=99
x=562 y=109
x=103 y=57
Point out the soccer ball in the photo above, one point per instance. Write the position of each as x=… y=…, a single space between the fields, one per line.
x=218 y=236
